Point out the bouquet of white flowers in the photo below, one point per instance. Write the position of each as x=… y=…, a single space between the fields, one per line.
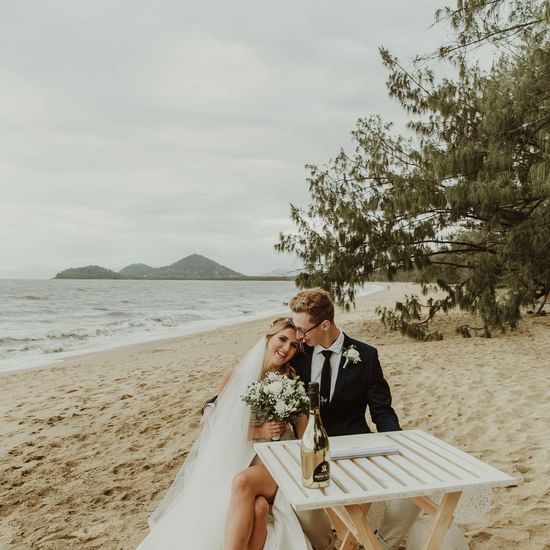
x=276 y=398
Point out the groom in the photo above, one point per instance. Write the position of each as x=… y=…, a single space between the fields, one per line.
x=348 y=371
x=351 y=381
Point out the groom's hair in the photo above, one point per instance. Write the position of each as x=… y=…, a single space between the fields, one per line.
x=316 y=302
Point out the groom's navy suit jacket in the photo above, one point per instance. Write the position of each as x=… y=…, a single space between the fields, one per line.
x=359 y=386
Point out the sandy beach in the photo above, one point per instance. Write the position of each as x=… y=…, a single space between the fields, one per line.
x=89 y=446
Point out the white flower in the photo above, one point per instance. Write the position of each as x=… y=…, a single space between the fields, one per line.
x=274 y=387
x=352 y=355
x=280 y=408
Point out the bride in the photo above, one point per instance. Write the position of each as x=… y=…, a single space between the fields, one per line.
x=194 y=512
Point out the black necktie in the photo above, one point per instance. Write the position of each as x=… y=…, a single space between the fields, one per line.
x=325 y=379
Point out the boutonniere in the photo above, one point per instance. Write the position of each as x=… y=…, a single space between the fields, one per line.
x=352 y=356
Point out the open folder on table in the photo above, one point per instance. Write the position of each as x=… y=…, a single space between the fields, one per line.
x=356 y=447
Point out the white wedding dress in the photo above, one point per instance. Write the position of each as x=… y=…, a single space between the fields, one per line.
x=192 y=514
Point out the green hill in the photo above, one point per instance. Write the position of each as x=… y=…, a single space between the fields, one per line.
x=89 y=272
x=137 y=270
x=191 y=267
x=195 y=266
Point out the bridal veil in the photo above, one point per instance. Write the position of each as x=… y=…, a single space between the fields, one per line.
x=192 y=514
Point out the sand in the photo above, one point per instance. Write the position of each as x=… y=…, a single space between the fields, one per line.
x=89 y=446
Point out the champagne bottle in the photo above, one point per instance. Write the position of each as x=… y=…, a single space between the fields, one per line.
x=315 y=452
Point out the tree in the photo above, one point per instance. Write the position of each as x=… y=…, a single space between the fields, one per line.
x=465 y=199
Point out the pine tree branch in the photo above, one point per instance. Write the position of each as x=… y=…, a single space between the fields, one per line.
x=452 y=264
x=544 y=119
x=446 y=51
x=452 y=14
x=411 y=77
x=475 y=247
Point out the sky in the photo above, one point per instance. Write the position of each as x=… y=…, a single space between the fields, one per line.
x=135 y=131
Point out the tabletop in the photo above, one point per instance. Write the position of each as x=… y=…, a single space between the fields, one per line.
x=424 y=465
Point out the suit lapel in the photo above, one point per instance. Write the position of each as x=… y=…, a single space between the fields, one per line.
x=305 y=366
x=342 y=372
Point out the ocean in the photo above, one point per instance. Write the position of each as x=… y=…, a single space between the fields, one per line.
x=44 y=321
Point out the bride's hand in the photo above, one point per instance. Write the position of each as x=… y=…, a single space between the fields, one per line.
x=269 y=430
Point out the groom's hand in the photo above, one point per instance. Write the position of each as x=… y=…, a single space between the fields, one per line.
x=207 y=412
x=210 y=403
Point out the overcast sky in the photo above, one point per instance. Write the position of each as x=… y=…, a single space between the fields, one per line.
x=135 y=131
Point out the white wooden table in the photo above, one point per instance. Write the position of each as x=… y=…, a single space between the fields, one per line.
x=424 y=466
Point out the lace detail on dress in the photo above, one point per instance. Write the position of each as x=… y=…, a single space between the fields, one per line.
x=417 y=535
x=472 y=505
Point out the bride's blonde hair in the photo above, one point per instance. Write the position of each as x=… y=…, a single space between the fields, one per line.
x=278 y=325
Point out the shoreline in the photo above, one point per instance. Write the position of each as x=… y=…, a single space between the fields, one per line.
x=76 y=355
x=92 y=444
x=48 y=322
x=193 y=328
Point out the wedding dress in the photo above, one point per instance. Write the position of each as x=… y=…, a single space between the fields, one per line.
x=192 y=514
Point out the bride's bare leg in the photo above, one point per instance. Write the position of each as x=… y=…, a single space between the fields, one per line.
x=247 y=486
x=259 y=530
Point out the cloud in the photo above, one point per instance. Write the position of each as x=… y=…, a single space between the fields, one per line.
x=139 y=132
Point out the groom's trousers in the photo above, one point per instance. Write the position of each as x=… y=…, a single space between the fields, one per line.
x=317 y=527
x=398 y=518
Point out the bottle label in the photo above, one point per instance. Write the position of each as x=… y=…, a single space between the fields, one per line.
x=322 y=472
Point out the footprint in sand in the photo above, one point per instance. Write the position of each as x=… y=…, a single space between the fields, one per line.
x=31 y=458
x=123 y=466
x=53 y=420
x=476 y=433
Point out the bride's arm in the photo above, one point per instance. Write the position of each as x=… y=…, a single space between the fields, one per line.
x=225 y=379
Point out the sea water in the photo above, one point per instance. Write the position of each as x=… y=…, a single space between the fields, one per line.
x=42 y=321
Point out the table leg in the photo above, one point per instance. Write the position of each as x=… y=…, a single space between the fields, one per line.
x=349 y=542
x=366 y=536
x=353 y=527
x=443 y=518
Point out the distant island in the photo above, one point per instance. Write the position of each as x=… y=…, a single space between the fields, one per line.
x=193 y=267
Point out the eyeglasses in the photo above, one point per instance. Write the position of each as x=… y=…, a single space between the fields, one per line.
x=302 y=332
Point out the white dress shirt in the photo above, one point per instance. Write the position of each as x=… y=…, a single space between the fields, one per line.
x=318 y=359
